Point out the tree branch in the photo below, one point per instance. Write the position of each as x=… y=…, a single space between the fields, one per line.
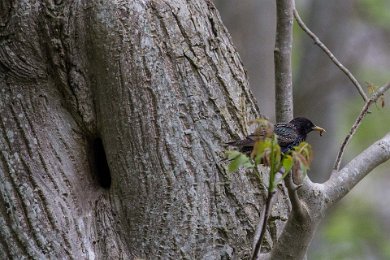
x=341 y=182
x=297 y=233
x=357 y=123
x=311 y=200
x=296 y=203
x=330 y=55
x=283 y=86
x=282 y=57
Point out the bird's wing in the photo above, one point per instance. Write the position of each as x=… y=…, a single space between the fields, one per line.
x=287 y=134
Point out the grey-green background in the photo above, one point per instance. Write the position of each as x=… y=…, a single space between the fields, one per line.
x=358 y=33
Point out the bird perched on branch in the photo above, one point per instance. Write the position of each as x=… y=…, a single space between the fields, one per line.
x=289 y=134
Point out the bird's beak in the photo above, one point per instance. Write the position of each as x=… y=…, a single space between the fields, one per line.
x=319 y=129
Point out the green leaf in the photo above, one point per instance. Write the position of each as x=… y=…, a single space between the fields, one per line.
x=301 y=165
x=248 y=165
x=277 y=153
x=241 y=160
x=302 y=160
x=260 y=149
x=231 y=154
x=287 y=163
x=304 y=150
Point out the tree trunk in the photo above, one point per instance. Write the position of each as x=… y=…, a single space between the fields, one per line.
x=161 y=85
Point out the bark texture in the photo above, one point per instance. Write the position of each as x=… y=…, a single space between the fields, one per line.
x=161 y=84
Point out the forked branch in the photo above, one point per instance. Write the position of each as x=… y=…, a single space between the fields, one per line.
x=311 y=200
x=357 y=123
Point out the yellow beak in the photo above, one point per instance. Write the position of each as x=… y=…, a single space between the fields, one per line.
x=319 y=129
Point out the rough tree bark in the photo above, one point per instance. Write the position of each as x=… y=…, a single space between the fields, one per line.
x=161 y=84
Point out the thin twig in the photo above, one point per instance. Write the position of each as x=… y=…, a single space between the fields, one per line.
x=292 y=189
x=330 y=54
x=358 y=121
x=267 y=212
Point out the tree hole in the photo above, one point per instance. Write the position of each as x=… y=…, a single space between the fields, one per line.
x=100 y=165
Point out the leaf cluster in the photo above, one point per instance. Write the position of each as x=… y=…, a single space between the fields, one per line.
x=266 y=151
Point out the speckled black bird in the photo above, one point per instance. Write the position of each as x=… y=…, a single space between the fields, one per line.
x=289 y=135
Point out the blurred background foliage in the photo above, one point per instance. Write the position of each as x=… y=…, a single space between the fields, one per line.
x=358 y=33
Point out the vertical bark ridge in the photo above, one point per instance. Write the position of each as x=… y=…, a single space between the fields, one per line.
x=14 y=174
x=198 y=53
x=44 y=175
x=161 y=108
x=162 y=86
x=47 y=117
x=14 y=240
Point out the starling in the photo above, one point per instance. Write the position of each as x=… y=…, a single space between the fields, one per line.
x=289 y=135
